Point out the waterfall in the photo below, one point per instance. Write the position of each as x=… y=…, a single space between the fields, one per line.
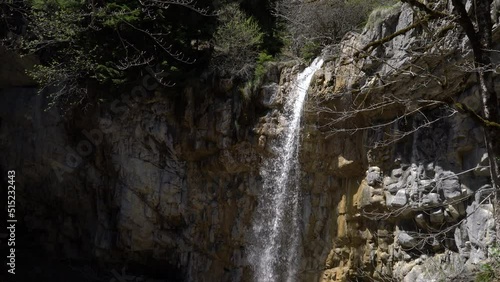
x=275 y=253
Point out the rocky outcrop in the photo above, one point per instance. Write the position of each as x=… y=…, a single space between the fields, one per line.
x=425 y=195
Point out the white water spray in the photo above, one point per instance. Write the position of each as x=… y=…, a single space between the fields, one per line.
x=275 y=254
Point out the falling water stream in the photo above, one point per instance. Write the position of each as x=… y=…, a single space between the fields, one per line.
x=275 y=253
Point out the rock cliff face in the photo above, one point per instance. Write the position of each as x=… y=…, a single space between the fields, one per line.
x=423 y=210
x=167 y=184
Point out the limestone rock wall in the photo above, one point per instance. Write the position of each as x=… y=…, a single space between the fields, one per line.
x=422 y=207
x=140 y=182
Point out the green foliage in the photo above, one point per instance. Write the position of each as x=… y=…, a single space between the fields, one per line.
x=310 y=50
x=108 y=43
x=487 y=274
x=55 y=4
x=263 y=12
x=490 y=271
x=115 y=14
x=52 y=27
x=237 y=42
x=261 y=69
x=236 y=29
x=103 y=45
x=104 y=73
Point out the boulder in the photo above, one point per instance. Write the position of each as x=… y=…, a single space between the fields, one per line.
x=437 y=216
x=396 y=173
x=373 y=176
x=480 y=226
x=431 y=199
x=427 y=184
x=400 y=199
x=405 y=240
x=420 y=220
x=453 y=211
x=394 y=187
x=449 y=185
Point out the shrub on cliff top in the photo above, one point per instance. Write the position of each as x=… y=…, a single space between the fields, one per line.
x=321 y=23
x=380 y=13
x=237 y=43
